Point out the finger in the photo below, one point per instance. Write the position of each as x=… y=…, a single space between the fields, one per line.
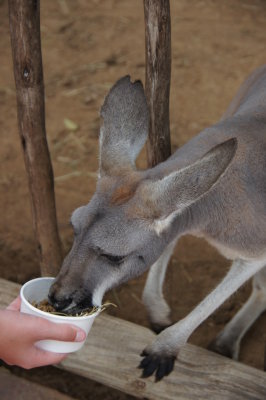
x=15 y=305
x=63 y=332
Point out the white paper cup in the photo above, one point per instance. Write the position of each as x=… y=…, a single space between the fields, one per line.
x=37 y=290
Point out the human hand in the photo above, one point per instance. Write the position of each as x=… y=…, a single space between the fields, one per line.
x=19 y=332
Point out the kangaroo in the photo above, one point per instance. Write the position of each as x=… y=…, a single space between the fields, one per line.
x=214 y=187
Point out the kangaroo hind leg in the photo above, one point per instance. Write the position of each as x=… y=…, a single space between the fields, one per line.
x=228 y=341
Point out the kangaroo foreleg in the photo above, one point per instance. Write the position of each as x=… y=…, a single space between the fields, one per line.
x=153 y=298
x=160 y=354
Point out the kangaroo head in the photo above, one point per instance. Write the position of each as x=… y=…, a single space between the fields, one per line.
x=129 y=221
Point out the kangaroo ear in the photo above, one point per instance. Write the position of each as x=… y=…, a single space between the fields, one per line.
x=125 y=127
x=172 y=194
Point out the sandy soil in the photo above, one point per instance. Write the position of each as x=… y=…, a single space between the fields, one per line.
x=87 y=45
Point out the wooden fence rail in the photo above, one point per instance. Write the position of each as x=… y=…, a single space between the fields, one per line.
x=111 y=355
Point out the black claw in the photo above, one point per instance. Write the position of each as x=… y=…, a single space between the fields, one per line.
x=165 y=367
x=150 y=368
x=170 y=366
x=145 y=362
x=159 y=365
x=160 y=373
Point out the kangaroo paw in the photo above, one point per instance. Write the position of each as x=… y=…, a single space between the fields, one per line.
x=156 y=364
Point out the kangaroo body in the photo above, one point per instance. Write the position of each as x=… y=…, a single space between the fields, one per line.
x=214 y=186
x=238 y=201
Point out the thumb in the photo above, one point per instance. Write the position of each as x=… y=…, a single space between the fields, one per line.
x=64 y=332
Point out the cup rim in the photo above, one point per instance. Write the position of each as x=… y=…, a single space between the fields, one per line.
x=50 y=315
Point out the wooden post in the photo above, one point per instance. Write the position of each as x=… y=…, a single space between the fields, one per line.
x=158 y=75
x=24 y=19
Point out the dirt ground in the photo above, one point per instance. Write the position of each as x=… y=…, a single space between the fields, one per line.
x=87 y=46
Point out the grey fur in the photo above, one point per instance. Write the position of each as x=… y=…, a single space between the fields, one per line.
x=125 y=128
x=214 y=187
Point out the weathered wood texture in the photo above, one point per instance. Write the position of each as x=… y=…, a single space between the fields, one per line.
x=111 y=354
x=158 y=76
x=24 y=19
x=15 y=388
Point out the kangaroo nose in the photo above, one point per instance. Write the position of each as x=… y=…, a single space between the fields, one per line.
x=59 y=303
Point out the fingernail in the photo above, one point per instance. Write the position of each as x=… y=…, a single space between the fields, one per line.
x=80 y=336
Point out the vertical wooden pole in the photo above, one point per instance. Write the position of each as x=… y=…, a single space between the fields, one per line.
x=158 y=75
x=24 y=19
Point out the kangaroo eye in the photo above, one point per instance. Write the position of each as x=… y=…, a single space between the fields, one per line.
x=114 y=259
